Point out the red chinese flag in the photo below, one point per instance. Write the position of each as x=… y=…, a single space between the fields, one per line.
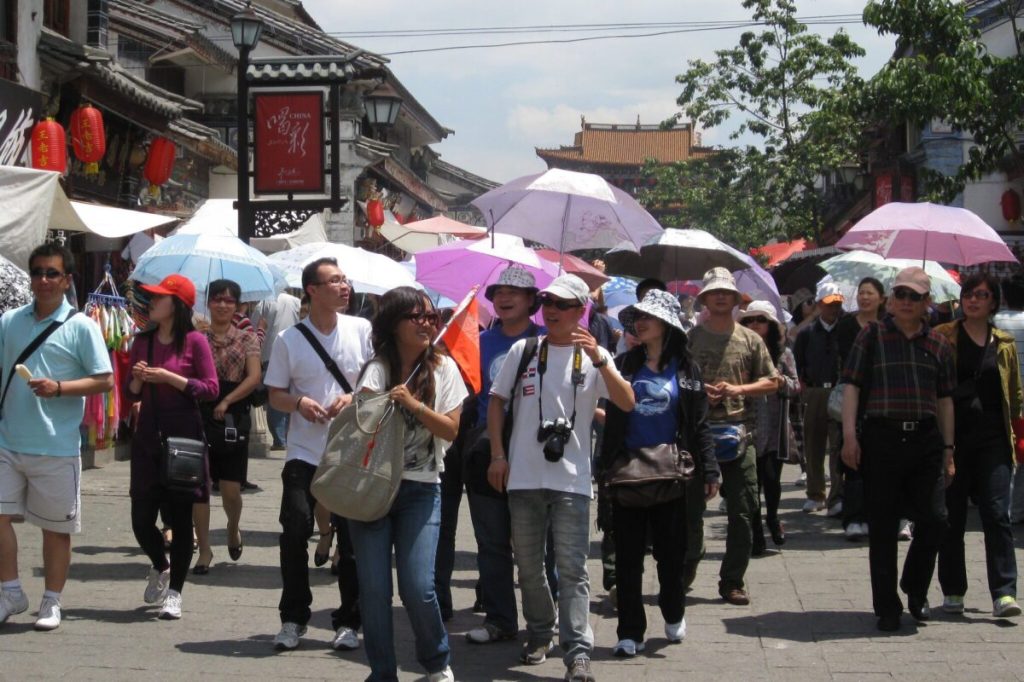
x=462 y=339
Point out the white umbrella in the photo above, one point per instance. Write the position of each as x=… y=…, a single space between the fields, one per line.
x=370 y=273
x=427 y=234
x=567 y=211
x=204 y=258
x=848 y=269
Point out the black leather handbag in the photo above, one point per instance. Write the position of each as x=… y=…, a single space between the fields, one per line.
x=644 y=477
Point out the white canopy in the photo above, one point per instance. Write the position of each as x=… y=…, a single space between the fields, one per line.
x=311 y=231
x=214 y=216
x=33 y=202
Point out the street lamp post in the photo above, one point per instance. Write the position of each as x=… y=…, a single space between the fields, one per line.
x=246 y=27
x=382 y=106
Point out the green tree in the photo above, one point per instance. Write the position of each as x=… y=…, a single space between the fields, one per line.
x=943 y=70
x=777 y=81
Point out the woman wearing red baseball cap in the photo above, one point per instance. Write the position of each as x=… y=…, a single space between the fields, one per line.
x=172 y=369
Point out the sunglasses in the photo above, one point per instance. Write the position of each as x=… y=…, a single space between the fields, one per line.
x=547 y=302
x=51 y=273
x=903 y=293
x=433 y=319
x=980 y=294
x=227 y=300
x=760 y=319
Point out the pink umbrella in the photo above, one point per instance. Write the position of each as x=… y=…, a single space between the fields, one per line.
x=577 y=266
x=925 y=231
x=454 y=269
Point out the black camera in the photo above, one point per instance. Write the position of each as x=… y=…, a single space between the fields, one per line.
x=554 y=434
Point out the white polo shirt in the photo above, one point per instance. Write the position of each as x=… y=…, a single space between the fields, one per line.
x=296 y=367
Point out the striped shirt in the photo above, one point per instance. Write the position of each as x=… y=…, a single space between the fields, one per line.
x=908 y=375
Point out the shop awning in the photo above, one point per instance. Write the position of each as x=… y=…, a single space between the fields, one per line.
x=311 y=231
x=34 y=202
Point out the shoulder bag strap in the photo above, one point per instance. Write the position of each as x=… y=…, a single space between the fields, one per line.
x=152 y=388
x=328 y=361
x=528 y=352
x=31 y=348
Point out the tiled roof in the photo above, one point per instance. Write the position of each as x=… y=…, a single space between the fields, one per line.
x=281 y=69
x=142 y=21
x=627 y=144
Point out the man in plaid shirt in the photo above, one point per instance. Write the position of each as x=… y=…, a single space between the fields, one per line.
x=906 y=431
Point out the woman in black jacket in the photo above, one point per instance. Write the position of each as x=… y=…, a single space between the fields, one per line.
x=671 y=407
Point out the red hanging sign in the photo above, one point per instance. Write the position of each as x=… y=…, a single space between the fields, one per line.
x=289 y=142
x=883 y=189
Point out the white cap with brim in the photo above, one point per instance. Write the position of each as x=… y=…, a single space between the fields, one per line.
x=569 y=287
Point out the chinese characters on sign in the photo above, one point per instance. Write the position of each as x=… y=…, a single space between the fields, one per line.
x=289 y=141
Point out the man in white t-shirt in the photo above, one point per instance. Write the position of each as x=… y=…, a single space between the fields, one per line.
x=547 y=469
x=300 y=384
x=139 y=244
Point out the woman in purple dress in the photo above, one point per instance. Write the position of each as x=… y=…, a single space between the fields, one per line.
x=172 y=369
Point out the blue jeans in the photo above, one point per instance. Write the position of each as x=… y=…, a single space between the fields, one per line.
x=277 y=422
x=411 y=527
x=568 y=514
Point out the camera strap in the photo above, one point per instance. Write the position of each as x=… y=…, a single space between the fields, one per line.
x=577 y=378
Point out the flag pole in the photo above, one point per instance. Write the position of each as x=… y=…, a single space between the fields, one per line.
x=459 y=309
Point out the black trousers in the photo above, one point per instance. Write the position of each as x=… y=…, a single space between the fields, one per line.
x=451 y=499
x=902 y=478
x=667 y=524
x=297 y=522
x=176 y=509
x=769 y=483
x=983 y=471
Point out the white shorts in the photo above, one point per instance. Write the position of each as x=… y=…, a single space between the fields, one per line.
x=44 y=489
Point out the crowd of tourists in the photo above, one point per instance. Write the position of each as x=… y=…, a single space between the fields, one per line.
x=895 y=416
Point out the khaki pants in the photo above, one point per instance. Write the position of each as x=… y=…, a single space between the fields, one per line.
x=821 y=438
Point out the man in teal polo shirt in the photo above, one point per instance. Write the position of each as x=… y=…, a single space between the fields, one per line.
x=40 y=468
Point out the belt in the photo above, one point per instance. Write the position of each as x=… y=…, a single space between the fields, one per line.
x=906 y=425
x=825 y=385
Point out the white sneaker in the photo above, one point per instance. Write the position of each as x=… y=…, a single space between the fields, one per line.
x=171 y=610
x=801 y=482
x=906 y=530
x=836 y=509
x=811 y=506
x=288 y=638
x=445 y=675
x=345 y=639
x=675 y=632
x=156 y=589
x=49 y=614
x=856 y=531
x=12 y=603
x=627 y=648
x=953 y=603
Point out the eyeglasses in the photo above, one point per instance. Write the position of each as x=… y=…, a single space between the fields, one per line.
x=903 y=293
x=433 y=319
x=760 y=319
x=226 y=300
x=51 y=273
x=547 y=302
x=336 y=282
x=980 y=294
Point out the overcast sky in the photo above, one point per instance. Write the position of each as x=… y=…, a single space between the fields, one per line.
x=503 y=102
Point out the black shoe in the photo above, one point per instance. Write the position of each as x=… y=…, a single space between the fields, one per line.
x=759 y=547
x=777 y=531
x=889 y=623
x=247 y=485
x=478 y=607
x=919 y=608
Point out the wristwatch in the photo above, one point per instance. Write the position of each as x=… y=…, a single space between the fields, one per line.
x=600 y=363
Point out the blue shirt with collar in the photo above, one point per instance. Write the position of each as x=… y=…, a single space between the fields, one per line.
x=47 y=426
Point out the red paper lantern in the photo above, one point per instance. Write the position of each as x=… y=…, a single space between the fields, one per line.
x=375 y=213
x=159 y=163
x=88 y=138
x=49 y=146
x=1010 y=202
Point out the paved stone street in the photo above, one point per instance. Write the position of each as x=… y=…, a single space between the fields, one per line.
x=810 y=617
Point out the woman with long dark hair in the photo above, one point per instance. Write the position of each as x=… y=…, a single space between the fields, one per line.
x=172 y=369
x=771 y=420
x=428 y=391
x=236 y=355
x=987 y=405
x=671 y=408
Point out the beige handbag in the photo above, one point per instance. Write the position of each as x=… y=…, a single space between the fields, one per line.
x=361 y=471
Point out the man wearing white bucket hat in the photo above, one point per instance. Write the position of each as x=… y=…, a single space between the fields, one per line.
x=818 y=363
x=735 y=365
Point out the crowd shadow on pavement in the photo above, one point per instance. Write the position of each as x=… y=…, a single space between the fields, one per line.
x=142 y=614
x=813 y=626
x=255 y=646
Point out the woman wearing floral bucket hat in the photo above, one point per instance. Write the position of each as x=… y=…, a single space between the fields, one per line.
x=671 y=409
x=772 y=420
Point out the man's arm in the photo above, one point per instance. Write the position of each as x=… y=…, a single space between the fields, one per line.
x=946 y=421
x=51 y=388
x=497 y=471
x=851 y=447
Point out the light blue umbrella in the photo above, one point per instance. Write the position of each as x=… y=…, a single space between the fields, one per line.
x=619 y=292
x=204 y=258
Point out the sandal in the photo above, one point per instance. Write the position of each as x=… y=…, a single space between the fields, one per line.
x=202 y=569
x=236 y=552
x=321 y=558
